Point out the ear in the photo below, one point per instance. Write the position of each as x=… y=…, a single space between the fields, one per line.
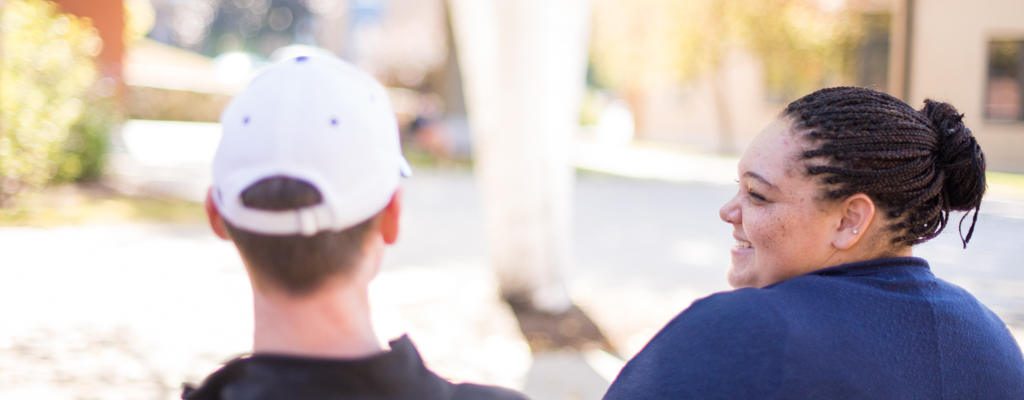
x=216 y=223
x=858 y=211
x=390 y=218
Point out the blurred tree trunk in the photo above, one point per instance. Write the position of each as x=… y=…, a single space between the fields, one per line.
x=723 y=111
x=636 y=98
x=716 y=55
x=523 y=65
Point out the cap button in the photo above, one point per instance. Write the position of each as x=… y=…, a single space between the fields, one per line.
x=301 y=58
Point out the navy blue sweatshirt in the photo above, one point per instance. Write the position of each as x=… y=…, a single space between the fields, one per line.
x=880 y=329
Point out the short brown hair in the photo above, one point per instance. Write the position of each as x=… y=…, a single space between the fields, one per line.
x=298 y=264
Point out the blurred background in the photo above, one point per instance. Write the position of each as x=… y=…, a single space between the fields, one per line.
x=570 y=160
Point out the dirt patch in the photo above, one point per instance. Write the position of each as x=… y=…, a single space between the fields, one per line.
x=568 y=330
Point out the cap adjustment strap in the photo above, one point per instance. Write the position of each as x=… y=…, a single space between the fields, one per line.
x=307 y=222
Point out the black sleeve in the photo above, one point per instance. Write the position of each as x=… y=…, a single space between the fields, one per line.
x=467 y=391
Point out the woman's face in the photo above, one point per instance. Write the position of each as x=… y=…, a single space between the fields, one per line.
x=780 y=227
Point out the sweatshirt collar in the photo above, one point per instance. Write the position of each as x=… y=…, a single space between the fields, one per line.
x=869 y=267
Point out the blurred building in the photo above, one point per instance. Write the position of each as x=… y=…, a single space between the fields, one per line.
x=200 y=51
x=108 y=18
x=970 y=54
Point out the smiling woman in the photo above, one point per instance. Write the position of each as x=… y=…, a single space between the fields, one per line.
x=830 y=302
x=781 y=230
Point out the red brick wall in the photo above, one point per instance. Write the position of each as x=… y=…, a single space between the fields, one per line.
x=108 y=17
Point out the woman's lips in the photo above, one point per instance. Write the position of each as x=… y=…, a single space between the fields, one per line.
x=742 y=246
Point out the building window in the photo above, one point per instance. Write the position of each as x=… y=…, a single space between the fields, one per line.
x=1004 y=97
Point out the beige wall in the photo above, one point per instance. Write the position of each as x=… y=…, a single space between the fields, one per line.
x=949 y=63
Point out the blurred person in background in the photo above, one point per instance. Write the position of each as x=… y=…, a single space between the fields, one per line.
x=306 y=185
x=830 y=302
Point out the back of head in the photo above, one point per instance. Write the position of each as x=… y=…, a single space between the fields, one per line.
x=308 y=158
x=297 y=263
x=917 y=165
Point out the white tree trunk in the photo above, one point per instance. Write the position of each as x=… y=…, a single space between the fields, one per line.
x=523 y=65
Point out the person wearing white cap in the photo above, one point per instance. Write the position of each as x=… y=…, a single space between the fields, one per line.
x=306 y=185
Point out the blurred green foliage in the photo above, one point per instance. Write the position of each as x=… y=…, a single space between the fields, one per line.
x=593 y=104
x=58 y=205
x=143 y=102
x=84 y=153
x=646 y=43
x=803 y=47
x=139 y=18
x=53 y=118
x=638 y=45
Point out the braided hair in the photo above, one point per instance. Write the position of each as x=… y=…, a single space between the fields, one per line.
x=917 y=165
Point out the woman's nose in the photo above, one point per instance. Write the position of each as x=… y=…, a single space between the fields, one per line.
x=730 y=211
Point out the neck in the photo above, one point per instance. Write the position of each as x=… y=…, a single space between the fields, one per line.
x=861 y=254
x=332 y=322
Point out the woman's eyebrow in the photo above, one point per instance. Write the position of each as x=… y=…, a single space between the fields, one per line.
x=759 y=177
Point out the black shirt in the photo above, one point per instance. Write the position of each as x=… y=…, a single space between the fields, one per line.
x=395 y=374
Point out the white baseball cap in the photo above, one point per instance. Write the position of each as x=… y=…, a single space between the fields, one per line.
x=315 y=119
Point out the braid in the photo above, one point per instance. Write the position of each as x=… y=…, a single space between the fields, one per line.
x=916 y=165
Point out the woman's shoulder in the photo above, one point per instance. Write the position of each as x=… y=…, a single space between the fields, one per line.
x=742 y=308
x=738 y=301
x=727 y=343
x=728 y=327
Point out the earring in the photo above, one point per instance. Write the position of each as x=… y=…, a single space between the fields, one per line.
x=855 y=231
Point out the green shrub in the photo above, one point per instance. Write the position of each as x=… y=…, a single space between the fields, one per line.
x=143 y=102
x=45 y=69
x=84 y=154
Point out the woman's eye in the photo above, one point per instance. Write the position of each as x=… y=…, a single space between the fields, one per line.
x=756 y=196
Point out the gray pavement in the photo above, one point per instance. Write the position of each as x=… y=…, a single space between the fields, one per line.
x=129 y=311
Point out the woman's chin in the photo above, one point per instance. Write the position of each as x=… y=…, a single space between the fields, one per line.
x=740 y=277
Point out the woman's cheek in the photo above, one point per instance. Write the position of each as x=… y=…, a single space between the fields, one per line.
x=771 y=249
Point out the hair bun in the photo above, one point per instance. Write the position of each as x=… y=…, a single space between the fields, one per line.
x=958 y=156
